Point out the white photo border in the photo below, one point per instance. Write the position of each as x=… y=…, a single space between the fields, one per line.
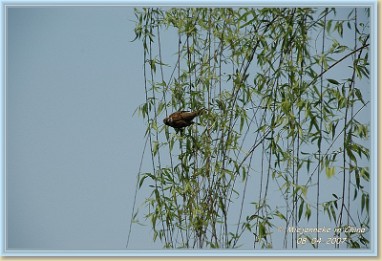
x=373 y=251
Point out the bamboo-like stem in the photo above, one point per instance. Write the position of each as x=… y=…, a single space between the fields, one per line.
x=321 y=130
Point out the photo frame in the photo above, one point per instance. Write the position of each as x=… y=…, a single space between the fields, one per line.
x=95 y=165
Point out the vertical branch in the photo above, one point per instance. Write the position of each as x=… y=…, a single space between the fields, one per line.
x=321 y=125
x=149 y=120
x=300 y=63
x=224 y=239
x=347 y=141
x=175 y=198
x=135 y=195
x=352 y=108
x=168 y=228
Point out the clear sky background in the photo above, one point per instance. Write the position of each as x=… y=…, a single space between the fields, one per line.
x=74 y=80
x=73 y=145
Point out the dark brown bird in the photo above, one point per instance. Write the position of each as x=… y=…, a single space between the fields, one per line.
x=181 y=119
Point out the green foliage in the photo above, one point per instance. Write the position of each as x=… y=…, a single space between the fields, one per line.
x=278 y=116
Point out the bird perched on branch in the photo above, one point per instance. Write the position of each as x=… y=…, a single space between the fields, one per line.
x=181 y=119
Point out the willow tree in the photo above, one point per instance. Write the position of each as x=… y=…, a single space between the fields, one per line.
x=284 y=142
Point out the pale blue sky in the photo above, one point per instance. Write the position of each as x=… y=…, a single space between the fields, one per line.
x=74 y=80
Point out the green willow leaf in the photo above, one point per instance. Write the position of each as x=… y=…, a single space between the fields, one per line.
x=330 y=171
x=333 y=81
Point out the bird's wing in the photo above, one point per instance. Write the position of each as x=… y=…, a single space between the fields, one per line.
x=188 y=116
x=181 y=123
x=175 y=116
